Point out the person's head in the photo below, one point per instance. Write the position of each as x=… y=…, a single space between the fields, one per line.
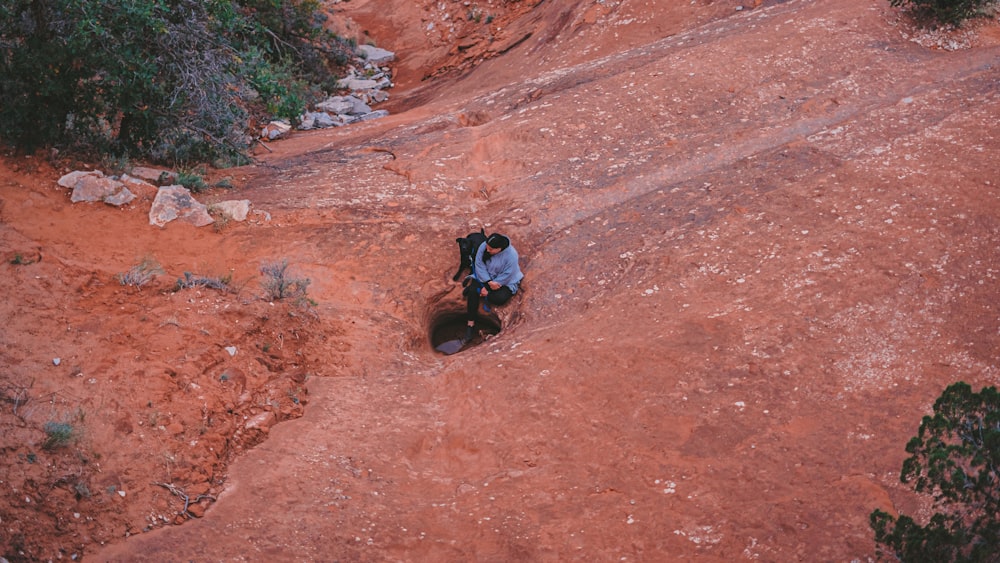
x=496 y=243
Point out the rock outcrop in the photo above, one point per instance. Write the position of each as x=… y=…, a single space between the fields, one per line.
x=170 y=203
x=365 y=85
x=175 y=203
x=93 y=185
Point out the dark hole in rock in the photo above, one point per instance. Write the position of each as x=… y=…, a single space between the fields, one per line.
x=450 y=326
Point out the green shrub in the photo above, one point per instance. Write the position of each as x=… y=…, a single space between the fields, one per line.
x=955 y=457
x=58 y=434
x=168 y=80
x=949 y=12
x=191 y=180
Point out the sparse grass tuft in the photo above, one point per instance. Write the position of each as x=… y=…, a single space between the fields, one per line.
x=116 y=165
x=278 y=285
x=190 y=281
x=220 y=221
x=58 y=434
x=140 y=274
x=192 y=180
x=82 y=490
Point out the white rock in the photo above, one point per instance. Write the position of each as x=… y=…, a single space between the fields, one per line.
x=335 y=105
x=357 y=84
x=175 y=202
x=262 y=421
x=275 y=130
x=235 y=209
x=99 y=188
x=70 y=180
x=376 y=55
x=153 y=175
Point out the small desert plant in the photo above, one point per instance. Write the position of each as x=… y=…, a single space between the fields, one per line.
x=140 y=274
x=278 y=285
x=82 y=490
x=58 y=434
x=948 y=12
x=165 y=178
x=21 y=260
x=192 y=180
x=190 y=281
x=116 y=165
x=220 y=219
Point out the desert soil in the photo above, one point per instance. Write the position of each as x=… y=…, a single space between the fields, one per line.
x=758 y=242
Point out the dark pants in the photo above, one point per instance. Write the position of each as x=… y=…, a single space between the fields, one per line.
x=493 y=297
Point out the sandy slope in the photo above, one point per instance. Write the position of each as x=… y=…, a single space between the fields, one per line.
x=758 y=243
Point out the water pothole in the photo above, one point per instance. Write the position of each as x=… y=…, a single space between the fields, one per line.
x=448 y=327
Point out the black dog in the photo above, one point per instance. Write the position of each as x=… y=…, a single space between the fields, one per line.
x=467 y=248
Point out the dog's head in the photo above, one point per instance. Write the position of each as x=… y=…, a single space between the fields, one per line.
x=470 y=243
x=466 y=245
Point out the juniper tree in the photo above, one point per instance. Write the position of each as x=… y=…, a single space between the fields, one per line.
x=955 y=457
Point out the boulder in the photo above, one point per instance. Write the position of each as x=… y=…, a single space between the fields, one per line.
x=317 y=120
x=275 y=130
x=359 y=106
x=369 y=116
x=139 y=187
x=356 y=84
x=91 y=187
x=154 y=176
x=70 y=180
x=336 y=105
x=122 y=197
x=376 y=55
x=235 y=209
x=324 y=120
x=175 y=203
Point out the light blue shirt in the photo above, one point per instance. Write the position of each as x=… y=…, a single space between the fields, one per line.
x=502 y=268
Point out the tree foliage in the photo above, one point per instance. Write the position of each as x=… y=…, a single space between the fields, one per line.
x=955 y=457
x=170 y=80
x=952 y=12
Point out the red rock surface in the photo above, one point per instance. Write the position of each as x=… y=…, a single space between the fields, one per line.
x=758 y=244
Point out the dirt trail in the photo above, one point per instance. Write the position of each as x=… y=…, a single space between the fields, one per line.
x=758 y=244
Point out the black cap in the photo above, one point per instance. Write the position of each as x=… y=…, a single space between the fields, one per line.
x=497 y=240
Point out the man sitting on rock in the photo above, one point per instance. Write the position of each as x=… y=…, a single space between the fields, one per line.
x=496 y=277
